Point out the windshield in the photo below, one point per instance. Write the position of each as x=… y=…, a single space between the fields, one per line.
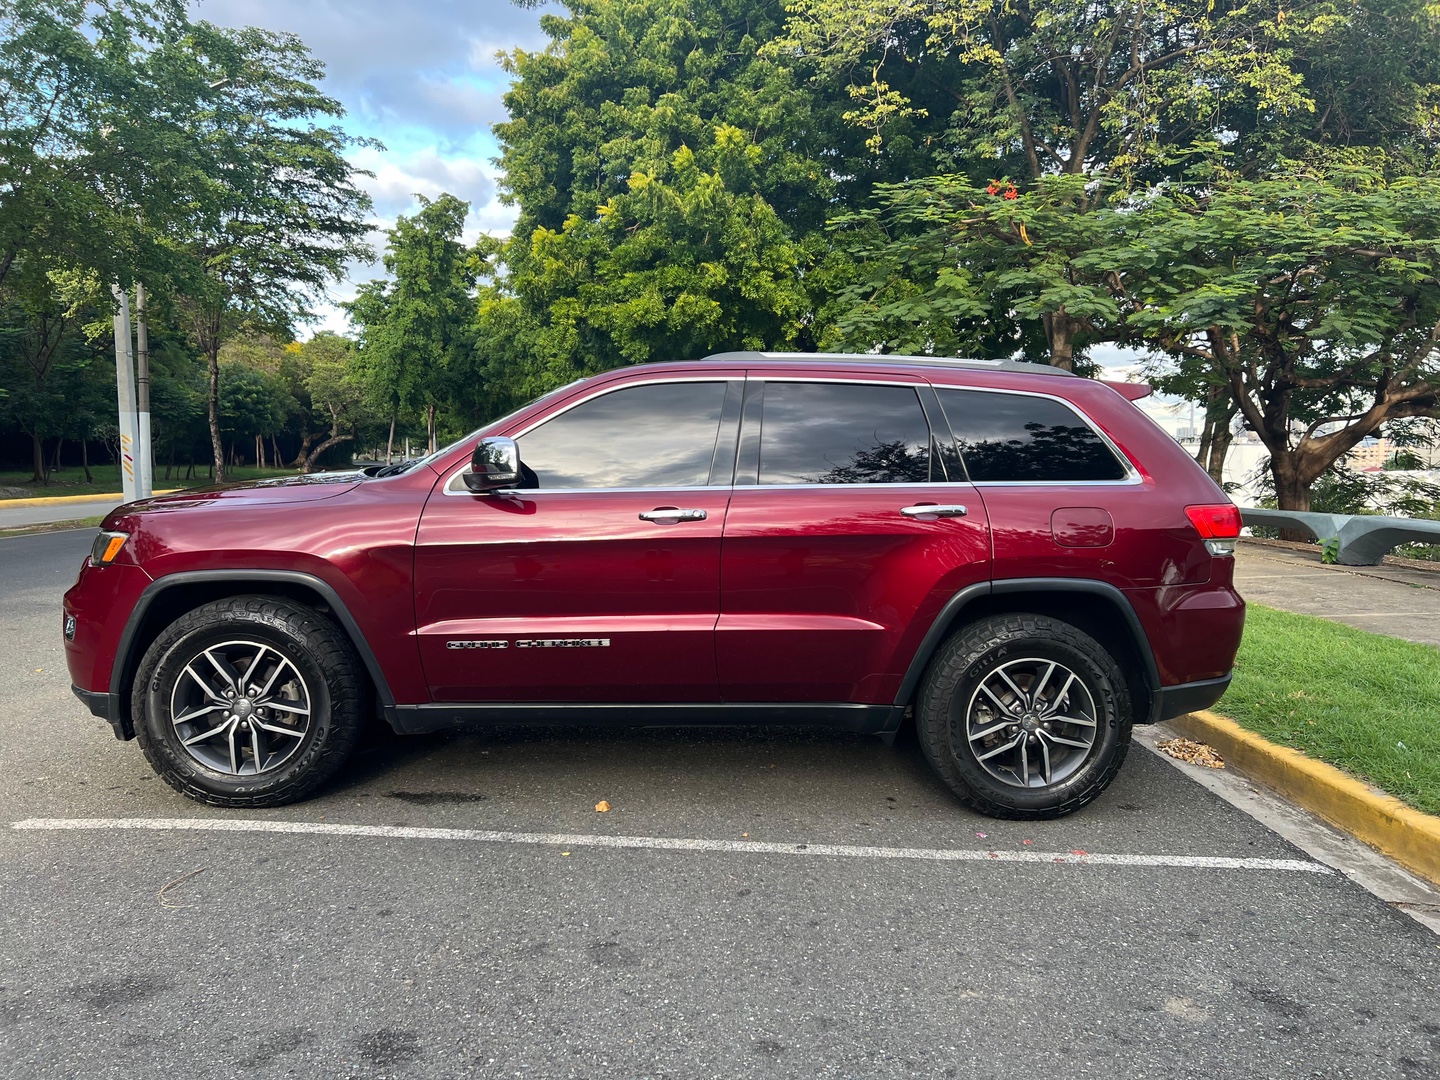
x=470 y=439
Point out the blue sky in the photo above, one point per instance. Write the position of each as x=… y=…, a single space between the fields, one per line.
x=419 y=76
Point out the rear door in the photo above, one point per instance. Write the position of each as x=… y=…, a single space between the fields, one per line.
x=600 y=580
x=849 y=527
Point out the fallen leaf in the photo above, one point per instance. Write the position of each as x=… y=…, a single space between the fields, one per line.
x=565 y=853
x=982 y=835
x=1027 y=842
x=602 y=807
x=744 y=834
x=1191 y=752
x=1078 y=851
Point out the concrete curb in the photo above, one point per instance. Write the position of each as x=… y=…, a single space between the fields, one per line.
x=60 y=500
x=1385 y=823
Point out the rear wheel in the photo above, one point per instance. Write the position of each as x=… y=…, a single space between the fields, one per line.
x=249 y=701
x=1024 y=716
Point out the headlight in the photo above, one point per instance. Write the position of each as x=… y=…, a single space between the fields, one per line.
x=107 y=545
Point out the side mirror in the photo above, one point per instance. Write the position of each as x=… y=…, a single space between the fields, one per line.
x=494 y=465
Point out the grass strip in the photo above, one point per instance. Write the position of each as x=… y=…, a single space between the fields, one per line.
x=1365 y=703
x=51 y=526
x=18 y=485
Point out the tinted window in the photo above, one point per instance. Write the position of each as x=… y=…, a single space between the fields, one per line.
x=661 y=435
x=1010 y=437
x=837 y=433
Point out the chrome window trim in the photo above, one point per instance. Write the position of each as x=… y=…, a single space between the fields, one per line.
x=1131 y=477
x=600 y=391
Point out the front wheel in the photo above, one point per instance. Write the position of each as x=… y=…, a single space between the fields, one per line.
x=1024 y=716
x=250 y=701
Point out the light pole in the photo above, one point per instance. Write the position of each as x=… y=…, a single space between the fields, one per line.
x=125 y=389
x=144 y=455
x=137 y=463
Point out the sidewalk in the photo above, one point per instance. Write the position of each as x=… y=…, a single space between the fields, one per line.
x=15 y=513
x=1396 y=600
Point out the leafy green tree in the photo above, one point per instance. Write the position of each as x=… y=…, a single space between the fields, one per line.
x=417 y=330
x=673 y=184
x=336 y=389
x=1311 y=302
x=45 y=359
x=94 y=97
x=1126 y=89
x=283 y=216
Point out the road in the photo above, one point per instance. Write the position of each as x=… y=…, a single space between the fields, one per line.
x=412 y=924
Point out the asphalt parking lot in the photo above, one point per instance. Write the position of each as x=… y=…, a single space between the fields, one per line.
x=756 y=903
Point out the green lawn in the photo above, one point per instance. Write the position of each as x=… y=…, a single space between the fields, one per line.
x=52 y=526
x=71 y=481
x=1365 y=703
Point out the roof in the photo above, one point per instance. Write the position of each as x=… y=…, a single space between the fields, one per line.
x=897 y=359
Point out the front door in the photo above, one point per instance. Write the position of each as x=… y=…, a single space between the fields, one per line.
x=599 y=581
x=849 y=528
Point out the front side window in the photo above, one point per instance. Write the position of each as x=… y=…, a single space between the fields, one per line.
x=652 y=436
x=843 y=433
x=1018 y=438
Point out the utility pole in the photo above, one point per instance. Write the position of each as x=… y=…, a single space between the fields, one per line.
x=125 y=389
x=144 y=452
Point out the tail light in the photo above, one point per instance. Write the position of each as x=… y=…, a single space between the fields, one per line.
x=1218 y=525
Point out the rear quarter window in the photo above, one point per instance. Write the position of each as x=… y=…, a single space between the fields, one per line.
x=1017 y=438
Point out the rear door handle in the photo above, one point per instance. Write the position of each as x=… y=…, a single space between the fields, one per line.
x=930 y=510
x=669 y=515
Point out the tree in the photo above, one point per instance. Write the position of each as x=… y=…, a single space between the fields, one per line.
x=335 y=389
x=93 y=97
x=283 y=217
x=1309 y=305
x=1314 y=300
x=45 y=360
x=1125 y=89
x=416 y=332
x=673 y=186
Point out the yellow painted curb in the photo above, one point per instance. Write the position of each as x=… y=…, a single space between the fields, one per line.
x=56 y=500
x=1382 y=821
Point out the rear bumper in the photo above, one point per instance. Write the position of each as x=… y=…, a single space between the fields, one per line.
x=1173 y=701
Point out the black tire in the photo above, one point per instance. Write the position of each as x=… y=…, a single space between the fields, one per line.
x=960 y=717
x=295 y=753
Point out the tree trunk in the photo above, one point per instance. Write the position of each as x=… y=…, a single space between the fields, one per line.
x=306 y=441
x=85 y=460
x=334 y=440
x=1292 y=492
x=1060 y=331
x=213 y=403
x=390 y=443
x=275 y=451
x=55 y=466
x=430 y=425
x=38 y=459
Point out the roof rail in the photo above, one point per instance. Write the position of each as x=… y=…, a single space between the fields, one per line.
x=890 y=358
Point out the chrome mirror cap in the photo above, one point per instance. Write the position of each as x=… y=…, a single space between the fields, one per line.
x=494 y=465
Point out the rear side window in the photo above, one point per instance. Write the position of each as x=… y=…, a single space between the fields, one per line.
x=1015 y=437
x=843 y=433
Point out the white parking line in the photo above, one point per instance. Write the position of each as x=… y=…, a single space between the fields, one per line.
x=661 y=843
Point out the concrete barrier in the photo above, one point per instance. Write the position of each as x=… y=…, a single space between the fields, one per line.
x=1364 y=539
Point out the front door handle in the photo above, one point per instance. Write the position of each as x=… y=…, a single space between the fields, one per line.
x=931 y=510
x=669 y=515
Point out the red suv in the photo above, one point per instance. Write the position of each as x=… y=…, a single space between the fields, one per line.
x=1016 y=555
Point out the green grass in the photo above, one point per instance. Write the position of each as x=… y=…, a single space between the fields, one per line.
x=16 y=483
x=1365 y=703
x=51 y=526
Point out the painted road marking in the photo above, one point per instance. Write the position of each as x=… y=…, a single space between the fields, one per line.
x=662 y=843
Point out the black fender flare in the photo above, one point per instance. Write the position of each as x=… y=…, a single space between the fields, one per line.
x=126 y=662
x=954 y=608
